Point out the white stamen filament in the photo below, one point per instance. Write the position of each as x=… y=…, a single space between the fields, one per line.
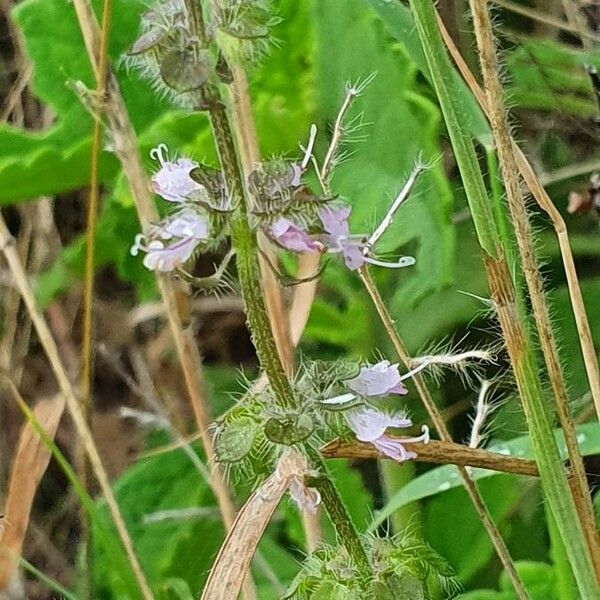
x=423 y=438
x=405 y=261
x=308 y=151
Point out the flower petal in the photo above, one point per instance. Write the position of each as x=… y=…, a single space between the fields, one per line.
x=368 y=423
x=289 y=236
x=166 y=258
x=393 y=448
x=173 y=182
x=380 y=379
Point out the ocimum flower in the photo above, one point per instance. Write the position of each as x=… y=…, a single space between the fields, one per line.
x=354 y=248
x=370 y=425
x=380 y=379
x=171 y=242
x=173 y=181
x=291 y=237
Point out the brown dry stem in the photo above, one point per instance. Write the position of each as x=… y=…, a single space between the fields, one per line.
x=125 y=146
x=15 y=265
x=233 y=561
x=438 y=452
x=29 y=464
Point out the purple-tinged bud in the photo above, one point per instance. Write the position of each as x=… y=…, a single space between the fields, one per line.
x=289 y=236
x=172 y=181
x=380 y=379
x=370 y=425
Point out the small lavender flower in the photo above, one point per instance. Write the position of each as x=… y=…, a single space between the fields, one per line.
x=172 y=242
x=380 y=379
x=338 y=238
x=172 y=181
x=354 y=248
x=370 y=425
x=289 y=236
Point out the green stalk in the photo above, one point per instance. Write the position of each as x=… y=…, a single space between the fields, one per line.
x=244 y=242
x=516 y=333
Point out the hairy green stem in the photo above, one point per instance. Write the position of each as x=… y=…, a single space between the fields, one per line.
x=516 y=333
x=244 y=241
x=344 y=527
x=535 y=287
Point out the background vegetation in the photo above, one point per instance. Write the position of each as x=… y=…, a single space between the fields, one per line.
x=318 y=46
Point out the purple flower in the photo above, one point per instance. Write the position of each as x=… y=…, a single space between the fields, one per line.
x=338 y=238
x=172 y=181
x=381 y=379
x=172 y=242
x=165 y=258
x=290 y=236
x=354 y=248
x=370 y=425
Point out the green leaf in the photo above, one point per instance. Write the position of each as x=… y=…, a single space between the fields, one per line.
x=401 y=124
x=549 y=76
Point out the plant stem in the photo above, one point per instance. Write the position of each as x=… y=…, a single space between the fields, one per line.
x=545 y=203
x=245 y=244
x=516 y=333
x=440 y=426
x=87 y=350
x=524 y=236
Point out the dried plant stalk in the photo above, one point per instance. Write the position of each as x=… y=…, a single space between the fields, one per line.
x=524 y=236
x=545 y=203
x=16 y=267
x=29 y=464
x=125 y=146
x=232 y=562
x=438 y=452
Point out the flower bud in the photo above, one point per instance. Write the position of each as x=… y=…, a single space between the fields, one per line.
x=235 y=439
x=186 y=70
x=289 y=429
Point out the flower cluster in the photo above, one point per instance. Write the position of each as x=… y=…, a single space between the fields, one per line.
x=175 y=50
x=370 y=424
x=171 y=242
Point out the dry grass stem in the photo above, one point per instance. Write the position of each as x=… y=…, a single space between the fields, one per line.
x=50 y=348
x=125 y=146
x=29 y=464
x=541 y=197
x=233 y=561
x=438 y=452
x=535 y=287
